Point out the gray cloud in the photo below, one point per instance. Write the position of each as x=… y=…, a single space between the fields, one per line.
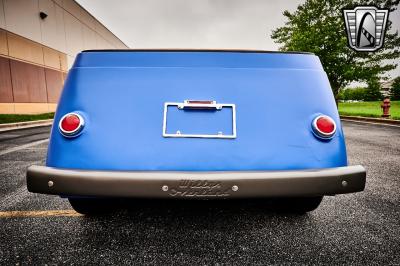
x=244 y=24
x=192 y=24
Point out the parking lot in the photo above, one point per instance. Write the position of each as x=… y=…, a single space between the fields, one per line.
x=361 y=228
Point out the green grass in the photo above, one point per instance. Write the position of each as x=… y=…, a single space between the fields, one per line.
x=6 y=118
x=369 y=109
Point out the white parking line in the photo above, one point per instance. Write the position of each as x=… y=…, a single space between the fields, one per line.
x=24 y=146
x=20 y=214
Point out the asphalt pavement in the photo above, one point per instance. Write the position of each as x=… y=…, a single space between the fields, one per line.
x=361 y=228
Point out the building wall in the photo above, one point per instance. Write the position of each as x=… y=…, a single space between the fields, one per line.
x=35 y=53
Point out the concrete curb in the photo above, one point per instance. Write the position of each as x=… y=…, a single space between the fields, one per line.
x=48 y=122
x=384 y=121
x=27 y=124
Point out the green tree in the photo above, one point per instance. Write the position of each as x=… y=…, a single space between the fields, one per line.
x=318 y=26
x=340 y=95
x=358 y=94
x=373 y=91
x=395 y=91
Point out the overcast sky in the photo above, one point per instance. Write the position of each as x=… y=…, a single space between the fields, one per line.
x=244 y=24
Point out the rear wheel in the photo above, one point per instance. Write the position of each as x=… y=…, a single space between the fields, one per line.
x=299 y=204
x=90 y=206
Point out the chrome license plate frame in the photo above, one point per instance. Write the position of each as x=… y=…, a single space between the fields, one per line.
x=199 y=104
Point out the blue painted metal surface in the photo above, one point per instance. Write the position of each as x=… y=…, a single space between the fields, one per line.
x=121 y=95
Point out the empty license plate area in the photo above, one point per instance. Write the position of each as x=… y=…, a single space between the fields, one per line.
x=199 y=119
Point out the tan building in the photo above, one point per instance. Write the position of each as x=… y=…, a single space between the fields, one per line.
x=39 y=40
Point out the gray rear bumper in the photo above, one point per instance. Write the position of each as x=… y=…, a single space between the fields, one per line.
x=165 y=184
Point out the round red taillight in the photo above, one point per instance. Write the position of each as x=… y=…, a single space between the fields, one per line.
x=71 y=124
x=324 y=126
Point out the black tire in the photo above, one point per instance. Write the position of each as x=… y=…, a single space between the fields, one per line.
x=299 y=205
x=90 y=206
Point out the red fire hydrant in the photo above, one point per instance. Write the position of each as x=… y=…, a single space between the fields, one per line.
x=386 y=107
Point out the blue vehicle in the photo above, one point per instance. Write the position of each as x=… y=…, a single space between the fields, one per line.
x=196 y=124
